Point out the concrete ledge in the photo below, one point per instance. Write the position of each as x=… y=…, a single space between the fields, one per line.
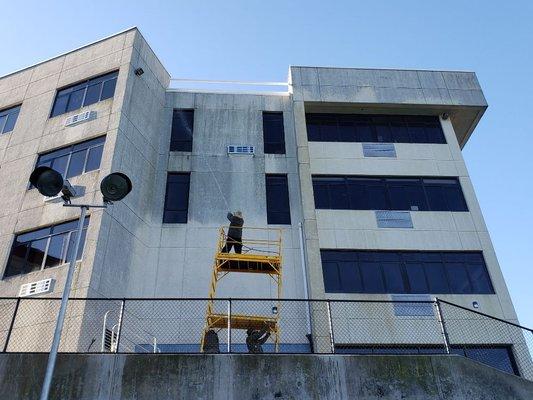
x=149 y=376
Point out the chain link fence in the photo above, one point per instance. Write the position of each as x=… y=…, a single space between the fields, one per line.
x=285 y=326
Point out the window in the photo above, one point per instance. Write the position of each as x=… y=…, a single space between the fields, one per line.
x=377 y=193
x=374 y=128
x=76 y=159
x=182 y=129
x=177 y=198
x=277 y=200
x=407 y=272
x=499 y=357
x=8 y=119
x=44 y=248
x=273 y=133
x=84 y=93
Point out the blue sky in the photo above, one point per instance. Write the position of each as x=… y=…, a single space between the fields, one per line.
x=258 y=40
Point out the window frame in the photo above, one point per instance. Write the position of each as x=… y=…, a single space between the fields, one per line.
x=174 y=141
x=405 y=259
x=386 y=183
x=67 y=234
x=84 y=84
x=99 y=142
x=286 y=213
x=8 y=113
x=166 y=202
x=368 y=128
x=271 y=146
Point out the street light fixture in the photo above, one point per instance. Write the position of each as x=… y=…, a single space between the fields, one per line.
x=49 y=182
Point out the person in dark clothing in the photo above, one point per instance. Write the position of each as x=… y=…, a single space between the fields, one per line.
x=256 y=338
x=234 y=237
x=211 y=343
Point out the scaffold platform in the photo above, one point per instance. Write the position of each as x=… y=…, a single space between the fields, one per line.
x=261 y=254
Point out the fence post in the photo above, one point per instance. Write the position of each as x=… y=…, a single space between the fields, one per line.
x=12 y=323
x=330 y=322
x=229 y=325
x=120 y=321
x=442 y=326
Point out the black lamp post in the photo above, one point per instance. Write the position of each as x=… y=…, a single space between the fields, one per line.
x=49 y=182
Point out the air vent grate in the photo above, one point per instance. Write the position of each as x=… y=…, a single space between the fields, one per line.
x=79 y=118
x=379 y=150
x=394 y=219
x=242 y=150
x=412 y=309
x=39 y=287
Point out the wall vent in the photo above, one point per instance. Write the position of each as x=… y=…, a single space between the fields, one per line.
x=79 y=118
x=412 y=309
x=110 y=340
x=243 y=150
x=29 y=289
x=394 y=219
x=379 y=150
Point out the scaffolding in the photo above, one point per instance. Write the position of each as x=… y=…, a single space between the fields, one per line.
x=261 y=254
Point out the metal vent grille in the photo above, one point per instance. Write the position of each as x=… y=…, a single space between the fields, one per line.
x=394 y=219
x=244 y=150
x=79 y=118
x=379 y=150
x=412 y=309
x=29 y=289
x=110 y=340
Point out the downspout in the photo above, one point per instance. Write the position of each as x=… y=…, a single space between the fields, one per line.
x=306 y=284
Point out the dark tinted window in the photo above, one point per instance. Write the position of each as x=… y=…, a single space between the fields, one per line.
x=182 y=130
x=499 y=357
x=44 y=248
x=273 y=133
x=277 y=200
x=374 y=128
x=8 y=118
x=84 y=93
x=76 y=159
x=375 y=193
x=352 y=271
x=177 y=198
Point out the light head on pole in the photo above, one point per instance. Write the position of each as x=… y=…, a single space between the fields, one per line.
x=48 y=181
x=115 y=187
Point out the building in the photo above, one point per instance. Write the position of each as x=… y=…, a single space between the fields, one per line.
x=368 y=161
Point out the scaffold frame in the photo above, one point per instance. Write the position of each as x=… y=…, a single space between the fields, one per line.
x=259 y=256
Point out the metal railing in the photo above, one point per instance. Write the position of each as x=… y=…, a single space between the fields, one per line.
x=228 y=86
x=167 y=325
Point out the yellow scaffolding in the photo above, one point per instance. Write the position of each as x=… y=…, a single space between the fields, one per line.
x=261 y=254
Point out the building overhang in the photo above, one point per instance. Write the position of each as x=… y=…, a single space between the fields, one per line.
x=455 y=93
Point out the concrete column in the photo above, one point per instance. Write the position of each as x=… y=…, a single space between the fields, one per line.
x=319 y=314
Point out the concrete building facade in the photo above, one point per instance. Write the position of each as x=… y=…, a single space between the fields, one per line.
x=130 y=252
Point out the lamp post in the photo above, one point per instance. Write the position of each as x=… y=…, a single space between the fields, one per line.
x=114 y=187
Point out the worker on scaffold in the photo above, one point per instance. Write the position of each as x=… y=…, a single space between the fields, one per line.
x=255 y=339
x=234 y=237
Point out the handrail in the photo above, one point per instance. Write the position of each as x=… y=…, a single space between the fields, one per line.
x=269 y=245
x=219 y=81
x=484 y=315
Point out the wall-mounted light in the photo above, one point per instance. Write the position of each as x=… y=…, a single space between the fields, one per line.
x=274 y=310
x=445 y=116
x=475 y=304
